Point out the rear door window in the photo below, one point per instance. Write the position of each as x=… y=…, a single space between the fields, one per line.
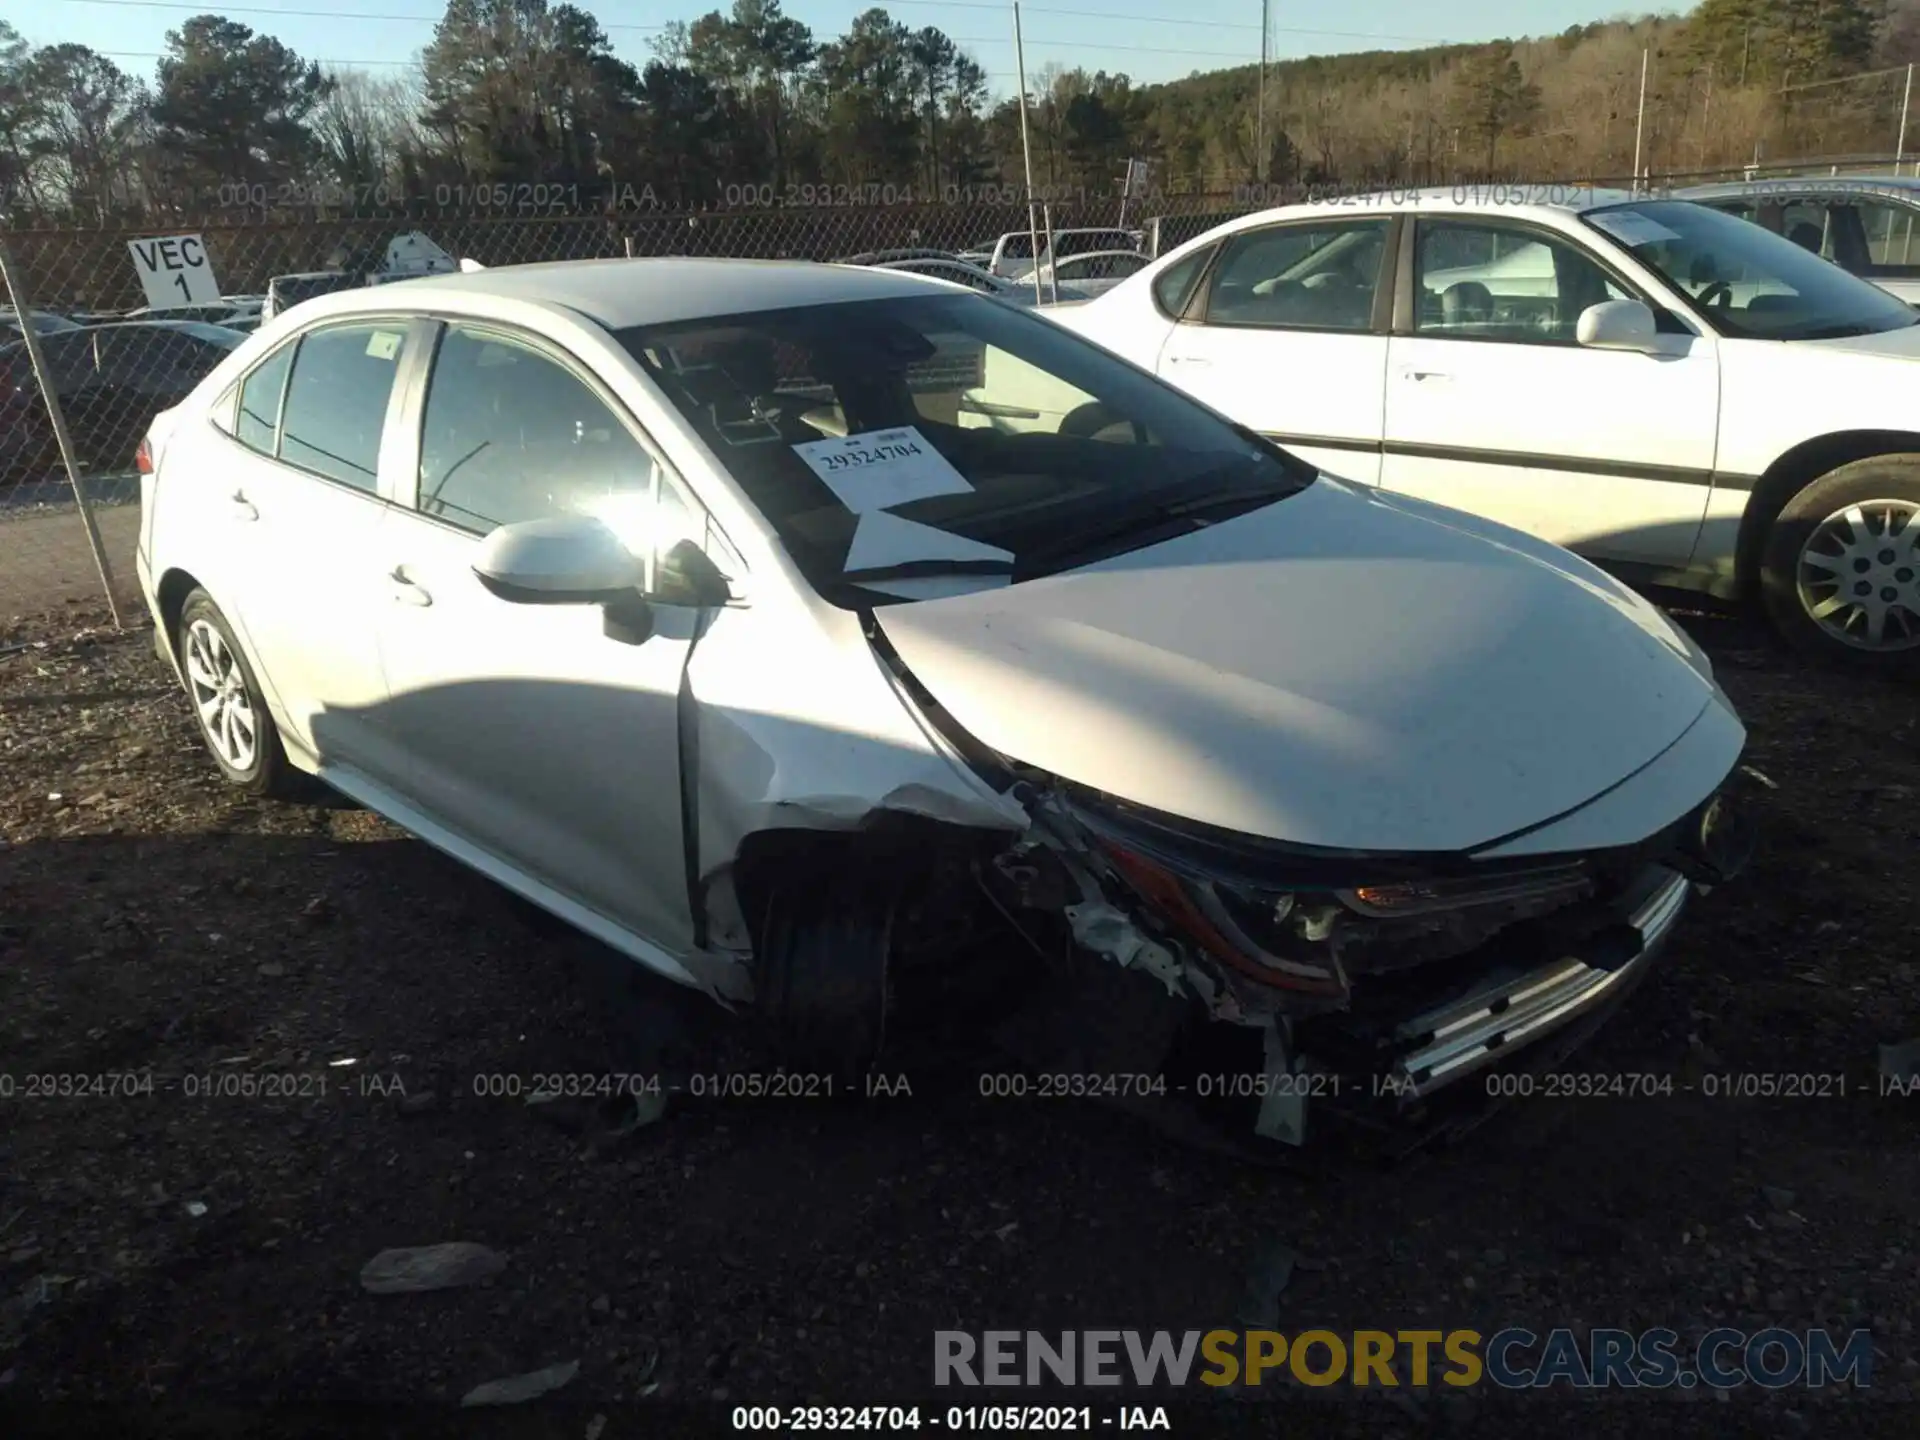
x=336 y=402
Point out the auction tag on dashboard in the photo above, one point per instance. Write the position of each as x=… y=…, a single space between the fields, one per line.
x=882 y=468
x=1631 y=228
x=384 y=344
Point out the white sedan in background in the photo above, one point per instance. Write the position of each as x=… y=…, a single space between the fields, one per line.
x=1085 y=276
x=685 y=599
x=1668 y=390
x=958 y=272
x=1869 y=225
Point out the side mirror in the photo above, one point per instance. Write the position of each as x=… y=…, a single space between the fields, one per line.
x=563 y=560
x=1618 y=325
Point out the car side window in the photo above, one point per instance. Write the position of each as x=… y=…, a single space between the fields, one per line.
x=1480 y=282
x=1808 y=225
x=1305 y=277
x=336 y=402
x=258 y=424
x=509 y=434
x=1893 y=238
x=1174 y=285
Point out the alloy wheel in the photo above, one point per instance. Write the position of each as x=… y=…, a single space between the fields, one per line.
x=1858 y=575
x=219 y=690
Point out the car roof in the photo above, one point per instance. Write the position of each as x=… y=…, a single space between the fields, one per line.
x=1516 y=201
x=1907 y=186
x=623 y=293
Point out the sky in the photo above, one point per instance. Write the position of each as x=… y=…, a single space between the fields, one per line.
x=1150 y=40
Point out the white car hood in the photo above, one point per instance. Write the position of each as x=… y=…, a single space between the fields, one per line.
x=1334 y=670
x=1903 y=344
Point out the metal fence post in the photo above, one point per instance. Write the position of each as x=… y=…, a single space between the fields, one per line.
x=22 y=306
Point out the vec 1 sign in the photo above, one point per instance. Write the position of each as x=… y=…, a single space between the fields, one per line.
x=174 y=270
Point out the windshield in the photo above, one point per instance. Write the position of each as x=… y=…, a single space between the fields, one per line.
x=944 y=435
x=1745 y=280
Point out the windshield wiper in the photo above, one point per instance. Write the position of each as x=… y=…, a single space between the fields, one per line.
x=1147 y=526
x=1836 y=332
x=924 y=569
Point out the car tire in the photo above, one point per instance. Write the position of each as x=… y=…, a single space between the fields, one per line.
x=229 y=709
x=824 y=944
x=1842 y=551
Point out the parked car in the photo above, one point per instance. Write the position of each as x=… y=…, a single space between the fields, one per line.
x=1013 y=252
x=1091 y=274
x=974 y=278
x=1865 y=224
x=112 y=381
x=408 y=256
x=1668 y=390
x=553 y=566
x=45 y=322
x=241 y=313
x=881 y=257
x=286 y=291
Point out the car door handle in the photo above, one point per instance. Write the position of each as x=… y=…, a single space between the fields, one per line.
x=407 y=592
x=1197 y=360
x=241 y=508
x=1426 y=375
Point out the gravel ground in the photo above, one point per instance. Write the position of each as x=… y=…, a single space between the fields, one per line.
x=196 y=1256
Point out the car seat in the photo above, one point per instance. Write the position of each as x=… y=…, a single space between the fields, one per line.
x=1465 y=304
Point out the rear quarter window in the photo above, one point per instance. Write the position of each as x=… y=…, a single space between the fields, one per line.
x=1174 y=287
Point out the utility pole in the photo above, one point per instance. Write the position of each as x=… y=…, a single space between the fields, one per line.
x=1026 y=149
x=1906 y=103
x=1706 y=118
x=1260 y=104
x=1640 y=122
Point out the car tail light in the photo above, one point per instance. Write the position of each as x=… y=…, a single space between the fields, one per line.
x=143 y=457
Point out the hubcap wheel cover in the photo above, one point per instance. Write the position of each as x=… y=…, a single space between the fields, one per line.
x=220 y=698
x=1858 y=575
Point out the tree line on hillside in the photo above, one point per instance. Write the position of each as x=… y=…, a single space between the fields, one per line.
x=521 y=105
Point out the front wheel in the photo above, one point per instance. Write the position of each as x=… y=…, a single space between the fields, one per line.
x=232 y=713
x=1840 y=574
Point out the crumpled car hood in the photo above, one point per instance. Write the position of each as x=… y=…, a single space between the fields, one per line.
x=1337 y=669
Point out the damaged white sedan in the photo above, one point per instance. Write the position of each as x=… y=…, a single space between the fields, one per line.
x=784 y=626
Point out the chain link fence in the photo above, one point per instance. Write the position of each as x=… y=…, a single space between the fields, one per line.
x=116 y=357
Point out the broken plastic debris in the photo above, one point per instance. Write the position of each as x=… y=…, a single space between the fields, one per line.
x=196 y=1209
x=595 y=1426
x=430 y=1267
x=1754 y=774
x=518 y=1388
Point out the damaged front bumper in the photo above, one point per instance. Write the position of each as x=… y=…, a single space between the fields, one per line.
x=1498 y=1017
x=1381 y=997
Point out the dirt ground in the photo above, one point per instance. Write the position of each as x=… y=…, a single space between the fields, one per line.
x=190 y=1253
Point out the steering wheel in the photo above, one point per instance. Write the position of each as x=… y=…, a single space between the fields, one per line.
x=1718 y=293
